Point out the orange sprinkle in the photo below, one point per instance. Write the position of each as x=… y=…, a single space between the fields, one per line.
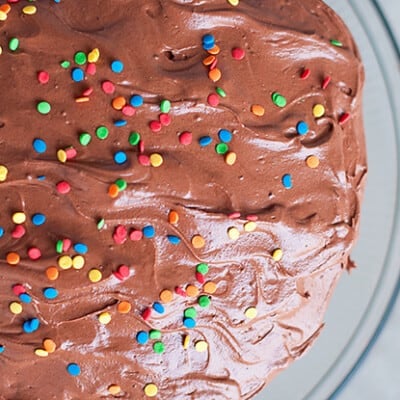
x=13 y=258
x=52 y=273
x=119 y=103
x=49 y=345
x=210 y=287
x=209 y=60
x=173 y=217
x=198 y=241
x=6 y=8
x=124 y=307
x=192 y=291
x=215 y=74
x=215 y=50
x=312 y=161
x=166 y=296
x=258 y=110
x=113 y=190
x=82 y=99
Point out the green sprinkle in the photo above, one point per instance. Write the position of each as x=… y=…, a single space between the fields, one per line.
x=80 y=58
x=13 y=44
x=336 y=43
x=221 y=92
x=102 y=132
x=204 y=301
x=165 y=106
x=65 y=64
x=155 y=334
x=221 y=148
x=121 y=183
x=101 y=223
x=190 y=313
x=278 y=99
x=85 y=138
x=43 y=107
x=134 y=138
x=202 y=268
x=59 y=246
x=158 y=347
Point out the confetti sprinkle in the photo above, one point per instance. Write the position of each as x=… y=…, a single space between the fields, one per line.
x=38 y=219
x=238 y=53
x=31 y=325
x=73 y=369
x=230 y=158
x=13 y=44
x=136 y=100
x=204 y=301
x=287 y=181
x=278 y=100
x=257 y=110
x=198 y=241
x=201 y=346
x=312 y=162
x=104 y=318
x=114 y=390
x=39 y=145
x=50 y=293
x=150 y=390
x=233 y=233
x=302 y=128
x=94 y=275
x=166 y=296
x=210 y=287
x=318 y=111
x=3 y=173
x=251 y=312
x=117 y=66
x=225 y=135
x=277 y=254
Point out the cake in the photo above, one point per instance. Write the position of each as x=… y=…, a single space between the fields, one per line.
x=180 y=185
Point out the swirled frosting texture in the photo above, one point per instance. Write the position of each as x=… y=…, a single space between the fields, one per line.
x=265 y=310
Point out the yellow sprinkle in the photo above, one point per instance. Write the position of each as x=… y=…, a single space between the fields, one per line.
x=201 y=346
x=156 y=160
x=95 y=275
x=94 y=55
x=15 y=308
x=41 y=353
x=105 y=318
x=49 y=345
x=250 y=226
x=257 y=110
x=65 y=262
x=82 y=99
x=198 y=241
x=18 y=218
x=62 y=156
x=210 y=287
x=230 y=157
x=277 y=254
x=78 y=262
x=233 y=233
x=3 y=16
x=312 y=161
x=1 y=50
x=233 y=2
x=318 y=110
x=150 y=390
x=29 y=10
x=186 y=341
x=251 y=312
x=3 y=171
x=114 y=389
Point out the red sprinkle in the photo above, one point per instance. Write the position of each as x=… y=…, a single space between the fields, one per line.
x=18 y=289
x=213 y=100
x=344 y=118
x=213 y=65
x=91 y=69
x=234 y=215
x=108 y=87
x=18 y=232
x=305 y=73
x=129 y=111
x=34 y=253
x=252 y=217
x=43 y=77
x=136 y=235
x=120 y=234
x=185 y=138
x=180 y=291
x=63 y=187
x=326 y=82
x=144 y=160
x=238 y=53
x=146 y=314
x=141 y=146
x=165 y=119
x=200 y=277
x=71 y=153
x=155 y=126
x=87 y=92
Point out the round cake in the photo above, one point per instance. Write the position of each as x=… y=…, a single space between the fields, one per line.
x=180 y=187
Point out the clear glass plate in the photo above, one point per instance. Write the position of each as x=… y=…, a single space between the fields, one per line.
x=362 y=300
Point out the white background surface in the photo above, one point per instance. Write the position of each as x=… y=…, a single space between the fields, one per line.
x=379 y=376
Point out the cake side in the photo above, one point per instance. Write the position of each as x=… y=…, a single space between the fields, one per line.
x=180 y=185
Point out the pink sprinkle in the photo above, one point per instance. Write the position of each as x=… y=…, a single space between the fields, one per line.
x=185 y=138
x=129 y=111
x=234 y=215
x=136 y=235
x=213 y=100
x=326 y=82
x=165 y=119
x=213 y=65
x=91 y=69
x=108 y=87
x=180 y=291
x=66 y=244
x=146 y=314
x=18 y=289
x=200 y=277
x=120 y=234
x=34 y=253
x=43 y=77
x=344 y=118
x=71 y=153
x=124 y=271
x=238 y=53
x=155 y=126
x=144 y=160
x=305 y=73
x=252 y=217
x=87 y=92
x=18 y=232
x=63 y=187
x=141 y=146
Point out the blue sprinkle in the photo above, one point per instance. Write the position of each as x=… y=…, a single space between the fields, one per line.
x=158 y=307
x=117 y=66
x=287 y=181
x=1 y=231
x=38 y=219
x=302 y=128
x=25 y=297
x=120 y=122
x=136 y=100
x=77 y=75
x=205 y=141
x=208 y=41
x=225 y=135
x=142 y=337
x=149 y=231
x=120 y=157
x=189 y=322
x=50 y=293
x=2 y=348
x=41 y=178
x=73 y=369
x=31 y=325
x=39 y=145
x=173 y=239
x=81 y=248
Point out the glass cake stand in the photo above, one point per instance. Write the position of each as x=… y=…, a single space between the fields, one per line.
x=363 y=299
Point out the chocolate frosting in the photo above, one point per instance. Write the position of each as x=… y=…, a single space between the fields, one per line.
x=248 y=223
